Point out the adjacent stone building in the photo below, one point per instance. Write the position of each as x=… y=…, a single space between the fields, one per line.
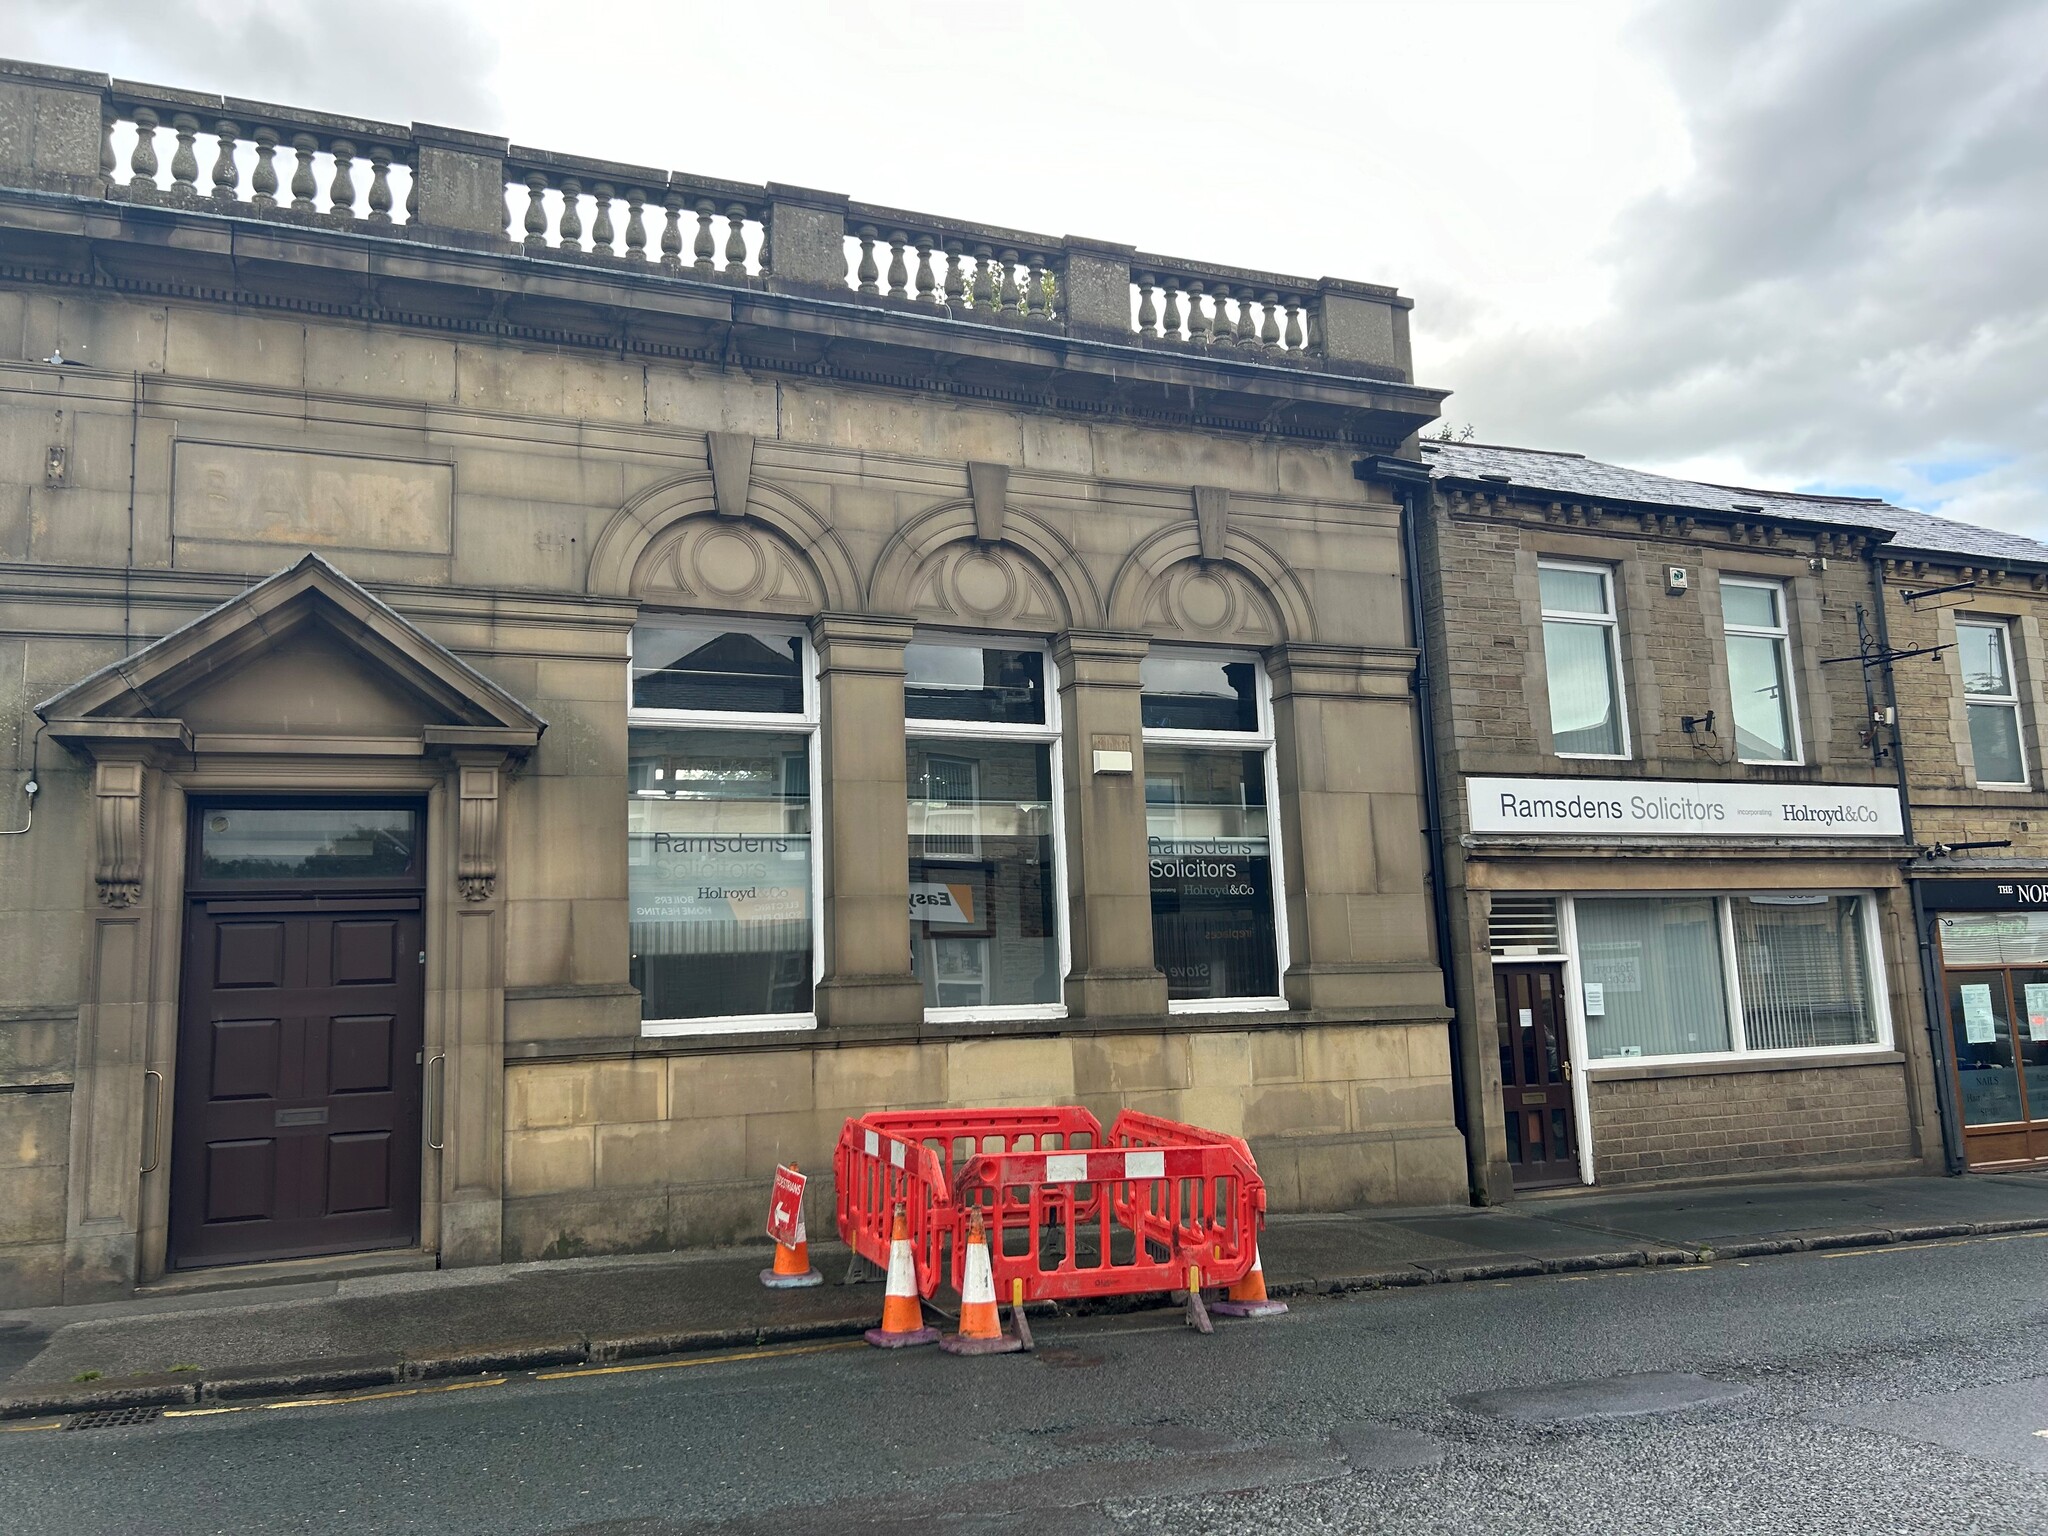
x=551 y=683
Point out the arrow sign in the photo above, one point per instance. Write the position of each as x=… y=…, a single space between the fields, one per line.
x=786 y=1208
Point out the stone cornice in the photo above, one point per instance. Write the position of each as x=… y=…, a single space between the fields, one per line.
x=605 y=304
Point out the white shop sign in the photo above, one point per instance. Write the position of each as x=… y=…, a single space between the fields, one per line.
x=1665 y=808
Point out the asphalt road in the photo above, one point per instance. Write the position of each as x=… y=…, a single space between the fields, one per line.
x=1887 y=1390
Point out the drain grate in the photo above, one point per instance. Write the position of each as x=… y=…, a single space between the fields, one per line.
x=113 y=1418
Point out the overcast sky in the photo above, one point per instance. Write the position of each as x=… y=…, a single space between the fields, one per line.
x=1790 y=243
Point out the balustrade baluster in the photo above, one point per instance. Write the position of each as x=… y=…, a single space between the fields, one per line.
x=1198 y=323
x=984 y=290
x=736 y=240
x=572 y=216
x=341 y=191
x=184 y=159
x=899 y=274
x=867 y=272
x=672 y=230
x=263 y=181
x=704 y=247
x=304 y=146
x=1037 y=288
x=380 y=184
x=1170 y=322
x=108 y=165
x=142 y=163
x=1247 y=326
x=225 y=173
x=1222 y=329
x=927 y=283
x=956 y=276
x=1148 y=315
x=601 y=232
x=1292 y=340
x=1012 y=298
x=536 y=212
x=636 y=225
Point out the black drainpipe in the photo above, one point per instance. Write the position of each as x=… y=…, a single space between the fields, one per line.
x=1932 y=1002
x=1410 y=481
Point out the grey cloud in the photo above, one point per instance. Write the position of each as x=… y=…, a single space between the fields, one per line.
x=1849 y=281
x=400 y=60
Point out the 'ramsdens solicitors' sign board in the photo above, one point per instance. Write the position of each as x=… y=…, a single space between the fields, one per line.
x=1647 y=808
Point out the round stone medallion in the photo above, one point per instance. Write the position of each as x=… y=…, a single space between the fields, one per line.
x=730 y=563
x=1205 y=601
x=984 y=585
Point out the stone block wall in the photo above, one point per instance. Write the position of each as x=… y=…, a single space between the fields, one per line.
x=1749 y=1123
x=657 y=1152
x=35 y=1136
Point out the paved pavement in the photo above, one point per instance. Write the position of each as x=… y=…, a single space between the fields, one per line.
x=1825 y=1393
x=388 y=1328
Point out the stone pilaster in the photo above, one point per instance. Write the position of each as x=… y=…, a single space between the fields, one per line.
x=1358 y=906
x=1109 y=890
x=864 y=804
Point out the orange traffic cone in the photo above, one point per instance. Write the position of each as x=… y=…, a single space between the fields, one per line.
x=792 y=1268
x=1247 y=1298
x=981 y=1326
x=902 y=1316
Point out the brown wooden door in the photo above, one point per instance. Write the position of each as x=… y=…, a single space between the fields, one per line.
x=1535 y=1074
x=297 y=1127
x=1998 y=1043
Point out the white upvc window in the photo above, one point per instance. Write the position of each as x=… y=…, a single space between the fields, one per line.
x=988 y=898
x=1582 y=660
x=1991 y=698
x=1219 y=924
x=723 y=885
x=1675 y=977
x=1758 y=639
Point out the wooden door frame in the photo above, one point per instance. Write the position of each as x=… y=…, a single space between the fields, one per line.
x=2031 y=1130
x=1574 y=1066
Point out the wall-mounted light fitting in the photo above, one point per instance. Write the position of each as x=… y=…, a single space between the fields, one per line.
x=1700 y=723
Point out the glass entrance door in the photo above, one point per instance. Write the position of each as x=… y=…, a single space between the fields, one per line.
x=1998 y=1029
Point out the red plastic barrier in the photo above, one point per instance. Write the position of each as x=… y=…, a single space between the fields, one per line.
x=1131 y=1218
x=1070 y=1213
x=874 y=1171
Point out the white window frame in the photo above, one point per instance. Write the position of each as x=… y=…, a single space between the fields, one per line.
x=1611 y=622
x=1782 y=635
x=805 y=724
x=2008 y=700
x=1046 y=735
x=1261 y=741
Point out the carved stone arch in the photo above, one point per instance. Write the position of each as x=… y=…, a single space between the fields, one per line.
x=934 y=569
x=1249 y=597
x=796 y=548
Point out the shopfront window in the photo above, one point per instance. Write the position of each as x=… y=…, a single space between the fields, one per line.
x=1991 y=698
x=986 y=903
x=1759 y=671
x=1216 y=929
x=720 y=873
x=1676 y=976
x=1582 y=657
x=1995 y=974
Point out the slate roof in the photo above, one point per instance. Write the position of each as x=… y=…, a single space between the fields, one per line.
x=1573 y=474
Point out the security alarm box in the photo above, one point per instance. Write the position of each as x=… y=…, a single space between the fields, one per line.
x=1676 y=579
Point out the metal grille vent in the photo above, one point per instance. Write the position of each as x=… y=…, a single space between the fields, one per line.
x=1523 y=925
x=114 y=1418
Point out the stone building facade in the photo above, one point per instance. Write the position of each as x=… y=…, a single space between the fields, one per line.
x=1681 y=931
x=551 y=683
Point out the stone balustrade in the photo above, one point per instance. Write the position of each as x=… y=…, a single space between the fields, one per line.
x=84 y=135
x=1253 y=314
x=184 y=149
x=968 y=269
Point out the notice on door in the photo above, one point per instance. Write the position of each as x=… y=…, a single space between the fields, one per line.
x=1527 y=1016
x=2037 y=1010
x=1978 y=1026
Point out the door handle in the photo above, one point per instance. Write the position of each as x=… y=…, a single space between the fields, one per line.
x=155 y=1080
x=1567 y=1071
x=436 y=1081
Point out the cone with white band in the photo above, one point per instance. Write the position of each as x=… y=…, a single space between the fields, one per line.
x=792 y=1268
x=1247 y=1298
x=902 y=1314
x=981 y=1324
